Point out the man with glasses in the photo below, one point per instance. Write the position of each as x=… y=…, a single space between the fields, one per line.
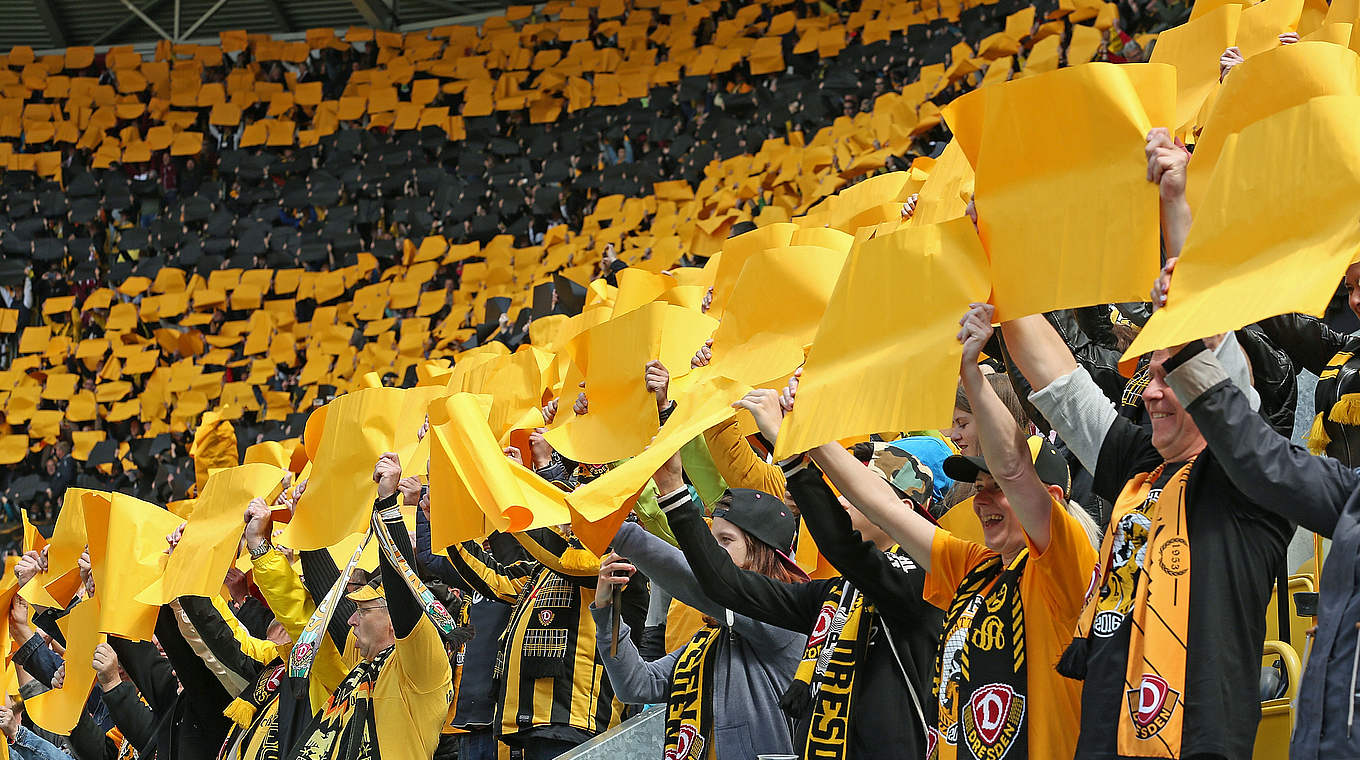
x=394 y=703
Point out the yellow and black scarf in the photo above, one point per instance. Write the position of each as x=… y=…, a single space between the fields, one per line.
x=1151 y=716
x=825 y=680
x=689 y=710
x=255 y=715
x=345 y=728
x=984 y=710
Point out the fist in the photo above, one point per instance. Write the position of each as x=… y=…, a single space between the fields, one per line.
x=106 y=666
x=387 y=474
x=703 y=356
x=410 y=491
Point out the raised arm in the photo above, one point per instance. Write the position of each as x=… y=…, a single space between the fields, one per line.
x=792 y=606
x=1003 y=443
x=1277 y=474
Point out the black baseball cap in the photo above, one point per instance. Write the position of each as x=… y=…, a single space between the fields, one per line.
x=1048 y=463
x=766 y=518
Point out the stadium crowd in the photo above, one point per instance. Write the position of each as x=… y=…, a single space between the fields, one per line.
x=748 y=394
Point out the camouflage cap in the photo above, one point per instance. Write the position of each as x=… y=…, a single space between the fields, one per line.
x=904 y=472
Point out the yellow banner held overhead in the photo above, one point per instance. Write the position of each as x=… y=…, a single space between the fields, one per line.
x=1065 y=210
x=882 y=361
x=127 y=553
x=707 y=404
x=1244 y=261
x=611 y=358
x=1268 y=83
x=513 y=497
x=1194 y=49
x=778 y=301
x=58 y=710
x=61 y=580
x=212 y=535
x=359 y=427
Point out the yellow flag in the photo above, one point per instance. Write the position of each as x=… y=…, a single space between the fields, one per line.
x=127 y=553
x=1069 y=221
x=946 y=192
x=611 y=357
x=886 y=355
x=638 y=287
x=59 y=710
x=1194 y=49
x=360 y=427
x=1268 y=83
x=703 y=407
x=1262 y=24
x=513 y=497
x=213 y=533
x=62 y=578
x=734 y=254
x=777 y=303
x=1244 y=261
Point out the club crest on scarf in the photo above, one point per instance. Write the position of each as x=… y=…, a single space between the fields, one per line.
x=1152 y=705
x=689 y=745
x=993 y=720
x=545 y=617
x=1126 y=558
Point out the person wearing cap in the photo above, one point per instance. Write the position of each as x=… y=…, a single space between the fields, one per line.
x=395 y=701
x=722 y=687
x=1009 y=606
x=554 y=694
x=1192 y=550
x=860 y=650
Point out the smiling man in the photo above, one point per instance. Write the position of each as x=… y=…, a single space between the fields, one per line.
x=1170 y=647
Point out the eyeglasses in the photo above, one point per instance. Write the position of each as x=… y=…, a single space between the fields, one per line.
x=363 y=610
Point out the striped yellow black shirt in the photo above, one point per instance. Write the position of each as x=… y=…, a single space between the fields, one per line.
x=550 y=631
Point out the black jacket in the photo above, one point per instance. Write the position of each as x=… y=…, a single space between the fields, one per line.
x=1322 y=495
x=894 y=675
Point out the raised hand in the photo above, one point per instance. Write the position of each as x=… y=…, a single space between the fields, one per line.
x=614 y=572
x=257 y=519
x=975 y=331
x=174 y=537
x=1166 y=163
x=658 y=381
x=387 y=474
x=549 y=412
x=763 y=404
x=410 y=491
x=539 y=449
x=1162 y=287
x=909 y=208
x=106 y=667
x=1231 y=57
x=703 y=356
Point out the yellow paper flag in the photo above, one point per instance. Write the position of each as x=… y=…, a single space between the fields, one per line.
x=881 y=361
x=611 y=357
x=1268 y=83
x=359 y=427
x=513 y=497
x=1194 y=49
x=59 y=710
x=1065 y=210
x=1244 y=261
x=213 y=533
x=778 y=301
x=127 y=553
x=1262 y=24
x=704 y=406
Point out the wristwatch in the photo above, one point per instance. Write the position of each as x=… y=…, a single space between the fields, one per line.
x=260 y=550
